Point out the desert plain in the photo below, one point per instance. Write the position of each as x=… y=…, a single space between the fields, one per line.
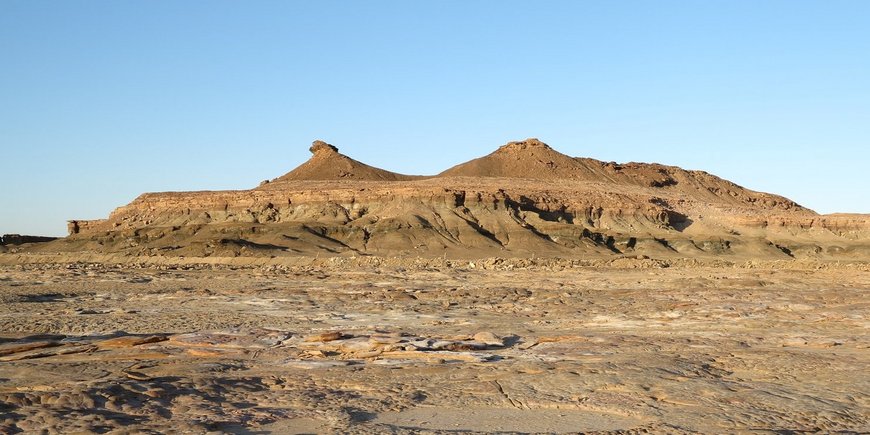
x=508 y=346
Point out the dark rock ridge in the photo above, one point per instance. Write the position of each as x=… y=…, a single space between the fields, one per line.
x=18 y=239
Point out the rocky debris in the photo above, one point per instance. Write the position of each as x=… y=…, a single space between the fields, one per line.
x=401 y=346
x=27 y=348
x=241 y=339
x=327 y=345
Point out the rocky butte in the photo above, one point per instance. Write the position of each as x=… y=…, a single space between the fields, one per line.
x=523 y=199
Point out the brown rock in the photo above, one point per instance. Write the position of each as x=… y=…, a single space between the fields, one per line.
x=319 y=146
x=326 y=336
x=130 y=341
x=489 y=339
x=10 y=348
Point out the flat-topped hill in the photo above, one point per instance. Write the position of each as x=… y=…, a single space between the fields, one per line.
x=524 y=199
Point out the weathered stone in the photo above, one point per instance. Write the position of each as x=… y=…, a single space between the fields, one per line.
x=326 y=336
x=130 y=341
x=489 y=339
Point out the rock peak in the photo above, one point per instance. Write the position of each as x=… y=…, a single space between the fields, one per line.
x=531 y=142
x=327 y=163
x=320 y=146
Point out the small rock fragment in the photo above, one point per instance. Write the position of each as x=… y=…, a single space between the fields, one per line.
x=130 y=341
x=326 y=336
x=489 y=339
x=137 y=376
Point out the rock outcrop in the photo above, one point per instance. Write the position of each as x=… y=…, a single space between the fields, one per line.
x=18 y=239
x=524 y=199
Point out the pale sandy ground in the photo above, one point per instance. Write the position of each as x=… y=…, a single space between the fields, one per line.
x=157 y=349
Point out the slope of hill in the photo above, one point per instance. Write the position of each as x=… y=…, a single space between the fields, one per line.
x=326 y=163
x=525 y=199
x=534 y=159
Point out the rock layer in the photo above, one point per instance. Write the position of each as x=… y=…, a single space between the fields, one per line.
x=524 y=199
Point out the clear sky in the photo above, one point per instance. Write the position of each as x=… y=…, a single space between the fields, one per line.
x=103 y=100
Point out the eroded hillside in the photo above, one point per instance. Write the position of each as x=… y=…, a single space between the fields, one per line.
x=524 y=199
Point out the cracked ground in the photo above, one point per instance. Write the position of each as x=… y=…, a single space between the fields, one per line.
x=405 y=349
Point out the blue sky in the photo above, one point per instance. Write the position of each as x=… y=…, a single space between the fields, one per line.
x=103 y=100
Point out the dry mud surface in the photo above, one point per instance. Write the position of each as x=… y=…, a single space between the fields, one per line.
x=319 y=349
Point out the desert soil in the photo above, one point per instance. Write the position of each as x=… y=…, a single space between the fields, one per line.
x=324 y=348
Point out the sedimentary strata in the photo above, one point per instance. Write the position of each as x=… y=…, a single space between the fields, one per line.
x=524 y=199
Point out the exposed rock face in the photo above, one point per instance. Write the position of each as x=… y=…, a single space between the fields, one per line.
x=524 y=199
x=320 y=146
x=85 y=226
